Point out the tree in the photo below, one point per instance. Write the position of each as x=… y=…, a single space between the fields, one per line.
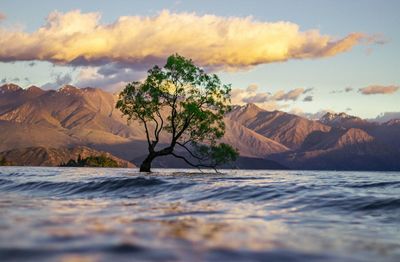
x=185 y=104
x=4 y=162
x=92 y=161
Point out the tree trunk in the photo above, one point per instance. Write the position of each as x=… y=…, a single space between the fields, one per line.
x=146 y=164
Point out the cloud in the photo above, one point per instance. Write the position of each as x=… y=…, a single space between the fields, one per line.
x=3 y=81
x=386 y=116
x=59 y=80
x=2 y=16
x=378 y=89
x=312 y=116
x=308 y=99
x=108 y=77
x=80 y=39
x=252 y=88
x=291 y=95
x=278 y=100
x=259 y=98
x=345 y=90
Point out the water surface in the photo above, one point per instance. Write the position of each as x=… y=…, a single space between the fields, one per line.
x=88 y=214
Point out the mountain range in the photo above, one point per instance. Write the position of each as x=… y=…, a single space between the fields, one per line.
x=66 y=120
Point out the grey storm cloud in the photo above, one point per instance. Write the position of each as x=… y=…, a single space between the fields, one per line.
x=109 y=77
x=59 y=80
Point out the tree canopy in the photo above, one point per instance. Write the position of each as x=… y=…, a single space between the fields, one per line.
x=184 y=102
x=92 y=161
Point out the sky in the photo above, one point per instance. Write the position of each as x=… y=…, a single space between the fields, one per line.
x=304 y=57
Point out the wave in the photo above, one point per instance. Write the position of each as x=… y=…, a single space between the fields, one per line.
x=377 y=184
x=119 y=187
x=336 y=197
x=345 y=203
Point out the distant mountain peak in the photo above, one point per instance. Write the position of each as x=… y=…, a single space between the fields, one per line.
x=34 y=88
x=337 y=118
x=251 y=107
x=9 y=88
x=68 y=89
x=393 y=122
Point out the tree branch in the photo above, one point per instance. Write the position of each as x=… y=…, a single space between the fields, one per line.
x=194 y=165
x=161 y=125
x=191 y=153
x=147 y=134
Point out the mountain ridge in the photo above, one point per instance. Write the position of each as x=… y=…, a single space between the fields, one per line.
x=75 y=117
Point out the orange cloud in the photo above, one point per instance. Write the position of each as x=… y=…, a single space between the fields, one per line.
x=265 y=99
x=137 y=41
x=2 y=16
x=379 y=89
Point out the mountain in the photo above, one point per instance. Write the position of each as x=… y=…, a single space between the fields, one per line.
x=69 y=108
x=336 y=139
x=342 y=149
x=287 y=129
x=344 y=120
x=73 y=117
x=42 y=156
x=386 y=117
x=250 y=143
x=386 y=133
x=393 y=122
x=43 y=125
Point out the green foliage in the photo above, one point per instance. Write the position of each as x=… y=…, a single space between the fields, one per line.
x=216 y=154
x=92 y=161
x=4 y=162
x=183 y=101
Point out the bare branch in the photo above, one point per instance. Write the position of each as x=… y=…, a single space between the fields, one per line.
x=161 y=125
x=191 y=153
x=194 y=165
x=147 y=133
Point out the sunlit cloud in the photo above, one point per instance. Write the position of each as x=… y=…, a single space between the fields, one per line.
x=266 y=100
x=2 y=16
x=293 y=94
x=136 y=42
x=379 y=89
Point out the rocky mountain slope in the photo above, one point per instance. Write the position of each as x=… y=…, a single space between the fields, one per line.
x=287 y=129
x=42 y=156
x=344 y=120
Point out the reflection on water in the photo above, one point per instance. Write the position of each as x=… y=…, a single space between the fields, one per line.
x=67 y=214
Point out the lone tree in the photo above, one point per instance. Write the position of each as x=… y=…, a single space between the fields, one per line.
x=184 y=105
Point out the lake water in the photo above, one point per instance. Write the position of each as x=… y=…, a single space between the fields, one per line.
x=89 y=214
